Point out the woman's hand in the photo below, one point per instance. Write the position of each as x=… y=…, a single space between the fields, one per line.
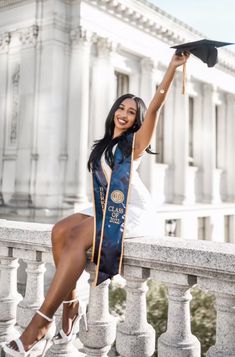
x=179 y=60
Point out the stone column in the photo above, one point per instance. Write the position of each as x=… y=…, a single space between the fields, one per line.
x=21 y=197
x=178 y=340
x=208 y=144
x=50 y=122
x=225 y=322
x=78 y=122
x=9 y=298
x=101 y=332
x=34 y=293
x=102 y=86
x=220 y=171
x=135 y=337
x=147 y=90
x=180 y=143
x=168 y=146
x=198 y=151
x=230 y=134
x=4 y=45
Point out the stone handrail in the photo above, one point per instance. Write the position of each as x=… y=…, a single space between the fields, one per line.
x=179 y=264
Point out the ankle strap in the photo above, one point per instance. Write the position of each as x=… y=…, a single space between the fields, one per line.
x=70 y=301
x=45 y=317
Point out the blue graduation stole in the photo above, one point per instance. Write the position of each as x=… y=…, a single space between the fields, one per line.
x=110 y=203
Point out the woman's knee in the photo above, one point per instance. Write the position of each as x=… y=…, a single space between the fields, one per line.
x=58 y=233
x=73 y=238
x=61 y=229
x=79 y=237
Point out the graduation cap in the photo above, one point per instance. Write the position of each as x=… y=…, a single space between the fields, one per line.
x=205 y=50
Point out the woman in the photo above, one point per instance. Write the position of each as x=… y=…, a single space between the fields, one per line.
x=73 y=236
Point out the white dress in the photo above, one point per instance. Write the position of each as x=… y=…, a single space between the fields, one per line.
x=141 y=217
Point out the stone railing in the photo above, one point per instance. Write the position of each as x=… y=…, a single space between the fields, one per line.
x=177 y=263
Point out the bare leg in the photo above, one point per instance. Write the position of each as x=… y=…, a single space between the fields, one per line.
x=60 y=233
x=70 y=266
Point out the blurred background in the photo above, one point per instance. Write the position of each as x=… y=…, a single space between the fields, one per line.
x=62 y=64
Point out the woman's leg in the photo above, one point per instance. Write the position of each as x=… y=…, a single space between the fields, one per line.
x=70 y=267
x=60 y=233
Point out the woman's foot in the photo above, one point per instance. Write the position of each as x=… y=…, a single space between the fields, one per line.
x=70 y=312
x=37 y=330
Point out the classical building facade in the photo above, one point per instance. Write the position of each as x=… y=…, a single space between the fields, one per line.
x=63 y=62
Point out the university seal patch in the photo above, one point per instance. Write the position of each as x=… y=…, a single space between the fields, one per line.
x=117 y=196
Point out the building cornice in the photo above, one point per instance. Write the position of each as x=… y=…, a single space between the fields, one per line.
x=10 y=3
x=159 y=24
x=128 y=12
x=146 y=17
x=171 y=18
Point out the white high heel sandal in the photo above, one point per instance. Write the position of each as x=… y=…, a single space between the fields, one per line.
x=21 y=351
x=61 y=336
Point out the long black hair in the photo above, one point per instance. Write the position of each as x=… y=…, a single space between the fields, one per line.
x=107 y=142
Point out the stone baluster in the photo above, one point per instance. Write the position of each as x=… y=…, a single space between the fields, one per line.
x=135 y=337
x=225 y=322
x=101 y=332
x=34 y=293
x=178 y=340
x=9 y=298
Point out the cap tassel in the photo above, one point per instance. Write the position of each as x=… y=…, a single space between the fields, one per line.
x=184 y=79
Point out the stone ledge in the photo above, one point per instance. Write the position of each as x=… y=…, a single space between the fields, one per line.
x=25 y=235
x=193 y=257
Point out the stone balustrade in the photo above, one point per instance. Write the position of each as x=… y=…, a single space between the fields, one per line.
x=179 y=264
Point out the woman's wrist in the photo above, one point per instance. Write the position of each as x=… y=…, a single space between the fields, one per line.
x=173 y=65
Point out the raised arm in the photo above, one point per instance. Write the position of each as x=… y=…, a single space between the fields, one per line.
x=144 y=134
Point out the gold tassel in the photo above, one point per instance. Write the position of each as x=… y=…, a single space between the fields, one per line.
x=184 y=79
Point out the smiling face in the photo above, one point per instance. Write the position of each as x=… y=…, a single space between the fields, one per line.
x=125 y=116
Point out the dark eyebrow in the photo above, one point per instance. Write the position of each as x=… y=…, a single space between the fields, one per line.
x=129 y=108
